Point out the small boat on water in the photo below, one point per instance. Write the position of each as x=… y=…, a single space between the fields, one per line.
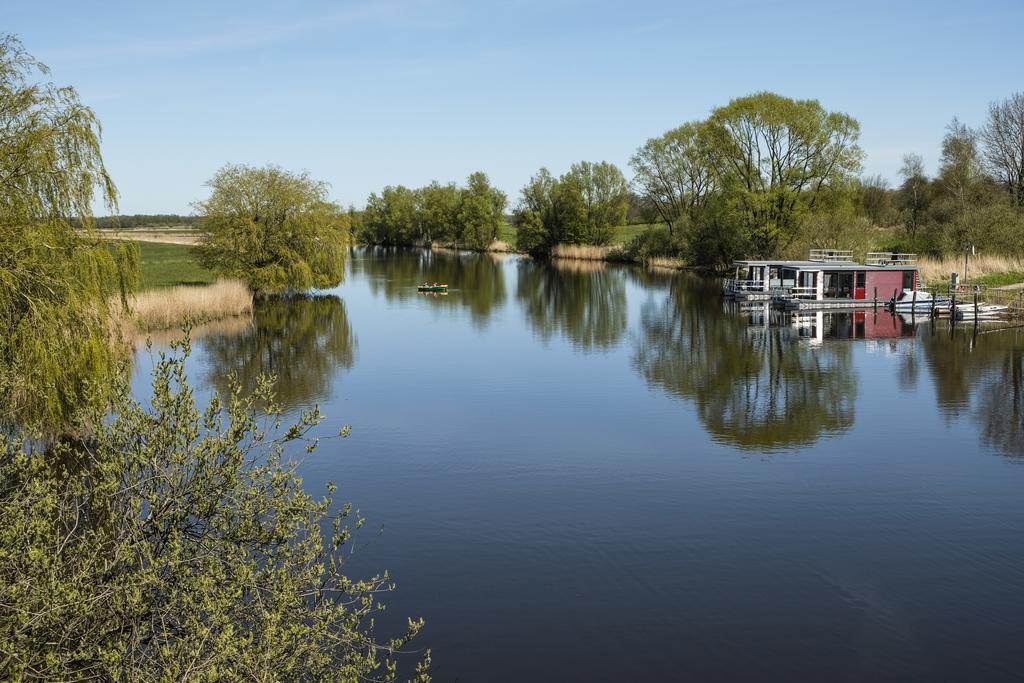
x=431 y=288
x=917 y=300
x=983 y=311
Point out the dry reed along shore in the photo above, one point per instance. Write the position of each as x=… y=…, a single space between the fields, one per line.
x=937 y=270
x=161 y=309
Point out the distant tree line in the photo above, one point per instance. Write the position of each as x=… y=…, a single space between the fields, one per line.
x=468 y=216
x=976 y=198
x=140 y=220
x=764 y=175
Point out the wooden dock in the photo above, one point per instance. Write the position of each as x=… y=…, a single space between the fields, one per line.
x=834 y=304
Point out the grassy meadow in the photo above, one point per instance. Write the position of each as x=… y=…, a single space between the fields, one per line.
x=176 y=288
x=167 y=265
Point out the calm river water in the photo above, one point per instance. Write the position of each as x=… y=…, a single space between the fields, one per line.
x=605 y=474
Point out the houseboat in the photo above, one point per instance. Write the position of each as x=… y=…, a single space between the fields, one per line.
x=817 y=326
x=829 y=278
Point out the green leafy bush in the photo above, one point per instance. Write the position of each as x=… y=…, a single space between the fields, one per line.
x=652 y=243
x=173 y=543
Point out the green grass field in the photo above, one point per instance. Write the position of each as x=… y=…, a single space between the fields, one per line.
x=166 y=265
x=625 y=233
x=999 y=279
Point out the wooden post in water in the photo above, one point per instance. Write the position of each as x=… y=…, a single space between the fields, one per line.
x=975 y=307
x=913 y=304
x=876 y=299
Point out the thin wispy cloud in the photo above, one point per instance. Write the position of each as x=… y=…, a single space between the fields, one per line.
x=240 y=37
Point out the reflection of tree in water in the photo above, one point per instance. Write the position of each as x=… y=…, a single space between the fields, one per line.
x=476 y=280
x=752 y=387
x=302 y=340
x=1000 y=409
x=585 y=301
x=985 y=374
x=652 y=279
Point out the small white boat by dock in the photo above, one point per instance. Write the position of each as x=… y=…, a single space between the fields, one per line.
x=980 y=312
x=912 y=301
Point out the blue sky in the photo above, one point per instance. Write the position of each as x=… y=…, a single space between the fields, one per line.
x=366 y=94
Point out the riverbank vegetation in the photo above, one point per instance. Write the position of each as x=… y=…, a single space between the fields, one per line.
x=173 y=307
x=993 y=271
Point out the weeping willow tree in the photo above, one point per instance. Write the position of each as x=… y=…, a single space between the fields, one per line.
x=274 y=229
x=55 y=284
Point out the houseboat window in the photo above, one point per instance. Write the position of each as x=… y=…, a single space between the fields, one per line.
x=838 y=285
x=861 y=277
x=908 y=279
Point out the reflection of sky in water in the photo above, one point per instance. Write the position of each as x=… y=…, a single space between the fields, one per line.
x=604 y=470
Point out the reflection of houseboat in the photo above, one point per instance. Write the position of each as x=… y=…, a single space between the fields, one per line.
x=830 y=278
x=820 y=325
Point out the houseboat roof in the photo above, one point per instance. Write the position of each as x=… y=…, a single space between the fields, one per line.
x=823 y=265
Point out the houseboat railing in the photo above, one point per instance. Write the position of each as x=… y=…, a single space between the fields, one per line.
x=831 y=255
x=888 y=258
x=734 y=285
x=788 y=293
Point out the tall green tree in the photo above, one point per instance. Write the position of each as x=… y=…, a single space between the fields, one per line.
x=392 y=217
x=1003 y=140
x=674 y=174
x=274 y=229
x=583 y=206
x=776 y=157
x=877 y=200
x=960 y=169
x=604 y=193
x=440 y=207
x=912 y=196
x=549 y=213
x=960 y=191
x=482 y=212
x=55 y=284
